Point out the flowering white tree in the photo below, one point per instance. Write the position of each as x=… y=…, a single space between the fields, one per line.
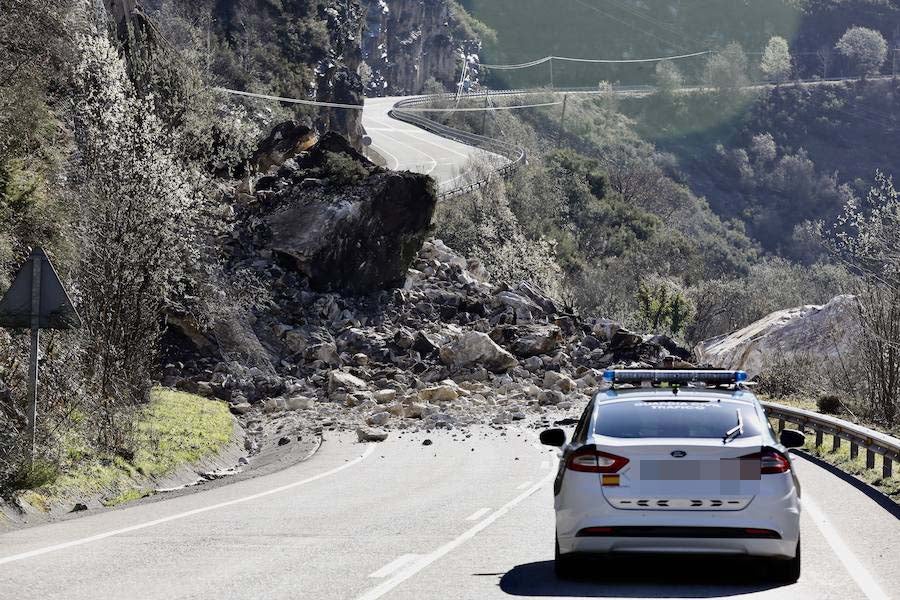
x=776 y=60
x=138 y=224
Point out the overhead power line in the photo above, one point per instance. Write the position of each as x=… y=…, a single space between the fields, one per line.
x=291 y=100
x=592 y=60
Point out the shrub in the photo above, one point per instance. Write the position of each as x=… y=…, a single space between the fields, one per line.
x=29 y=477
x=829 y=404
x=343 y=170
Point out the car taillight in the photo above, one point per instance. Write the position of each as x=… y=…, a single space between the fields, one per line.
x=590 y=460
x=771 y=461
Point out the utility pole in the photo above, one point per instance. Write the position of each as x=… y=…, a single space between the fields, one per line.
x=484 y=115
x=551 y=72
x=462 y=78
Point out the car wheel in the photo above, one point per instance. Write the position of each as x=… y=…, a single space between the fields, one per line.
x=565 y=566
x=787 y=571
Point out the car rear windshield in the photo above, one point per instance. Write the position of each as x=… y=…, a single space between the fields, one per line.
x=674 y=419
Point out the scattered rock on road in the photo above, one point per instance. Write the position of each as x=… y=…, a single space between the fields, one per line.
x=370 y=434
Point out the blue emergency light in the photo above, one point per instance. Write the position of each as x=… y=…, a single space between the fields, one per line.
x=685 y=376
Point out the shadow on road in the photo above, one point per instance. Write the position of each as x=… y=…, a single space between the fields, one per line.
x=643 y=577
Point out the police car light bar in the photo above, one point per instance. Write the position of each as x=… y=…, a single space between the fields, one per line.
x=673 y=376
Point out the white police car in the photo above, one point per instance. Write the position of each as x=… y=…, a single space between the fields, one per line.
x=681 y=462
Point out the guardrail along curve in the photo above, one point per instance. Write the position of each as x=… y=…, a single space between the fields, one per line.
x=516 y=155
x=874 y=442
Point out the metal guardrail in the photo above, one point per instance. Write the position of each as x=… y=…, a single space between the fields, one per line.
x=515 y=155
x=874 y=442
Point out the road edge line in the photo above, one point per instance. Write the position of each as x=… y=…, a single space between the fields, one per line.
x=107 y=534
x=854 y=567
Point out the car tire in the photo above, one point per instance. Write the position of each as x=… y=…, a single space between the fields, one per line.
x=565 y=566
x=787 y=571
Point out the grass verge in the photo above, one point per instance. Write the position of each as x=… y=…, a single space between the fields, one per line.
x=174 y=429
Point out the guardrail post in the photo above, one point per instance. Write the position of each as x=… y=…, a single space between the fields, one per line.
x=886 y=468
x=780 y=425
x=836 y=443
x=854 y=450
x=870 y=459
x=818 y=438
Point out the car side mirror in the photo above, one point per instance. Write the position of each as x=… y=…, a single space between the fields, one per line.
x=553 y=437
x=791 y=438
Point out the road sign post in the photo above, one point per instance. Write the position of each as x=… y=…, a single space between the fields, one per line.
x=36 y=300
x=31 y=410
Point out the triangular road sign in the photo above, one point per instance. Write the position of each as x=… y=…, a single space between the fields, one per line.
x=56 y=309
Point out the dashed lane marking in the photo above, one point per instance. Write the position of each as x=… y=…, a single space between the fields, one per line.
x=405 y=573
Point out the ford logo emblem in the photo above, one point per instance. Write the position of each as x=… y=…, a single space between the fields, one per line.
x=679 y=453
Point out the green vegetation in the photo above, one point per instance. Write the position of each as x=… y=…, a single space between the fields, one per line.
x=778 y=159
x=173 y=430
x=530 y=29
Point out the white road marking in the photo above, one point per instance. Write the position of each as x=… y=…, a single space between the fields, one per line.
x=385 y=151
x=101 y=536
x=430 y=158
x=854 y=567
x=523 y=485
x=395 y=564
x=478 y=514
x=404 y=574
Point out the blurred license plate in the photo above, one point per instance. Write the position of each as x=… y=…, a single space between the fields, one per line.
x=697 y=470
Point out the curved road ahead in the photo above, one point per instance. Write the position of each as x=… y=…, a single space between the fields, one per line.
x=464 y=518
x=406 y=147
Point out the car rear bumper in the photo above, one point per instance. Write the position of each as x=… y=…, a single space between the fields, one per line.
x=730 y=546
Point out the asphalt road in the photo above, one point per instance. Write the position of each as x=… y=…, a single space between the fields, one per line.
x=406 y=147
x=464 y=518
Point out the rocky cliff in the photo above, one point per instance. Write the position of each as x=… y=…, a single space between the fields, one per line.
x=408 y=41
x=307 y=49
x=824 y=332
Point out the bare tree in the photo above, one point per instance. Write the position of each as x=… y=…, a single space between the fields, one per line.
x=865 y=239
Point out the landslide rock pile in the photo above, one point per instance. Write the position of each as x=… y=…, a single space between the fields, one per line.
x=448 y=349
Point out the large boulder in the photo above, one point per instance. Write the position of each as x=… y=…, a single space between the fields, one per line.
x=356 y=231
x=477 y=349
x=825 y=332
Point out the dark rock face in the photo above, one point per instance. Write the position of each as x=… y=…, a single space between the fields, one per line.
x=339 y=79
x=359 y=242
x=407 y=41
x=354 y=238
